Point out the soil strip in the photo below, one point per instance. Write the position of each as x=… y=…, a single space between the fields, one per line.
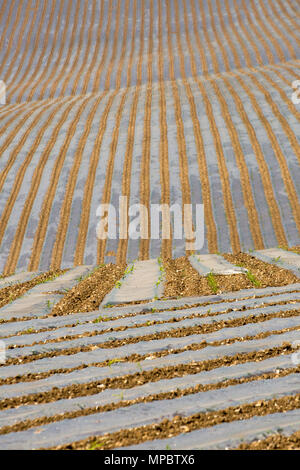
x=30 y=423
x=141 y=378
x=183 y=280
x=11 y=293
x=169 y=428
x=87 y=295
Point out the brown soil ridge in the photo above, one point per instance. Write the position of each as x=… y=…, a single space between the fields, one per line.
x=30 y=423
x=10 y=293
x=274 y=442
x=183 y=280
x=133 y=380
x=88 y=294
x=152 y=322
x=205 y=328
x=169 y=428
x=182 y=332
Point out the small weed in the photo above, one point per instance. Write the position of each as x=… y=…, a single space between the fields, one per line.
x=51 y=278
x=95 y=445
x=253 y=279
x=212 y=283
x=128 y=270
x=113 y=361
x=162 y=272
x=108 y=306
x=100 y=319
x=119 y=395
x=28 y=331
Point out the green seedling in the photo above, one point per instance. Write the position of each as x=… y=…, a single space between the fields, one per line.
x=276 y=259
x=108 y=306
x=283 y=247
x=113 y=361
x=89 y=274
x=119 y=395
x=128 y=270
x=212 y=283
x=28 y=332
x=54 y=276
x=95 y=445
x=100 y=319
x=253 y=279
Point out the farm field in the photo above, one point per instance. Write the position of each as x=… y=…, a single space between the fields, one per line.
x=182 y=102
x=142 y=343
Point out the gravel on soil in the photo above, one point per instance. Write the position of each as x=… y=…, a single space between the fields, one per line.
x=183 y=280
x=87 y=295
x=10 y=293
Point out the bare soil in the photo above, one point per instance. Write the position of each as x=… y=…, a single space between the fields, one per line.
x=182 y=280
x=87 y=295
x=295 y=249
x=27 y=424
x=140 y=377
x=174 y=333
x=177 y=370
x=268 y=275
x=275 y=442
x=10 y=293
x=178 y=425
x=205 y=328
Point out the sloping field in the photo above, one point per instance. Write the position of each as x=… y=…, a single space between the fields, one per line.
x=142 y=343
x=187 y=101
